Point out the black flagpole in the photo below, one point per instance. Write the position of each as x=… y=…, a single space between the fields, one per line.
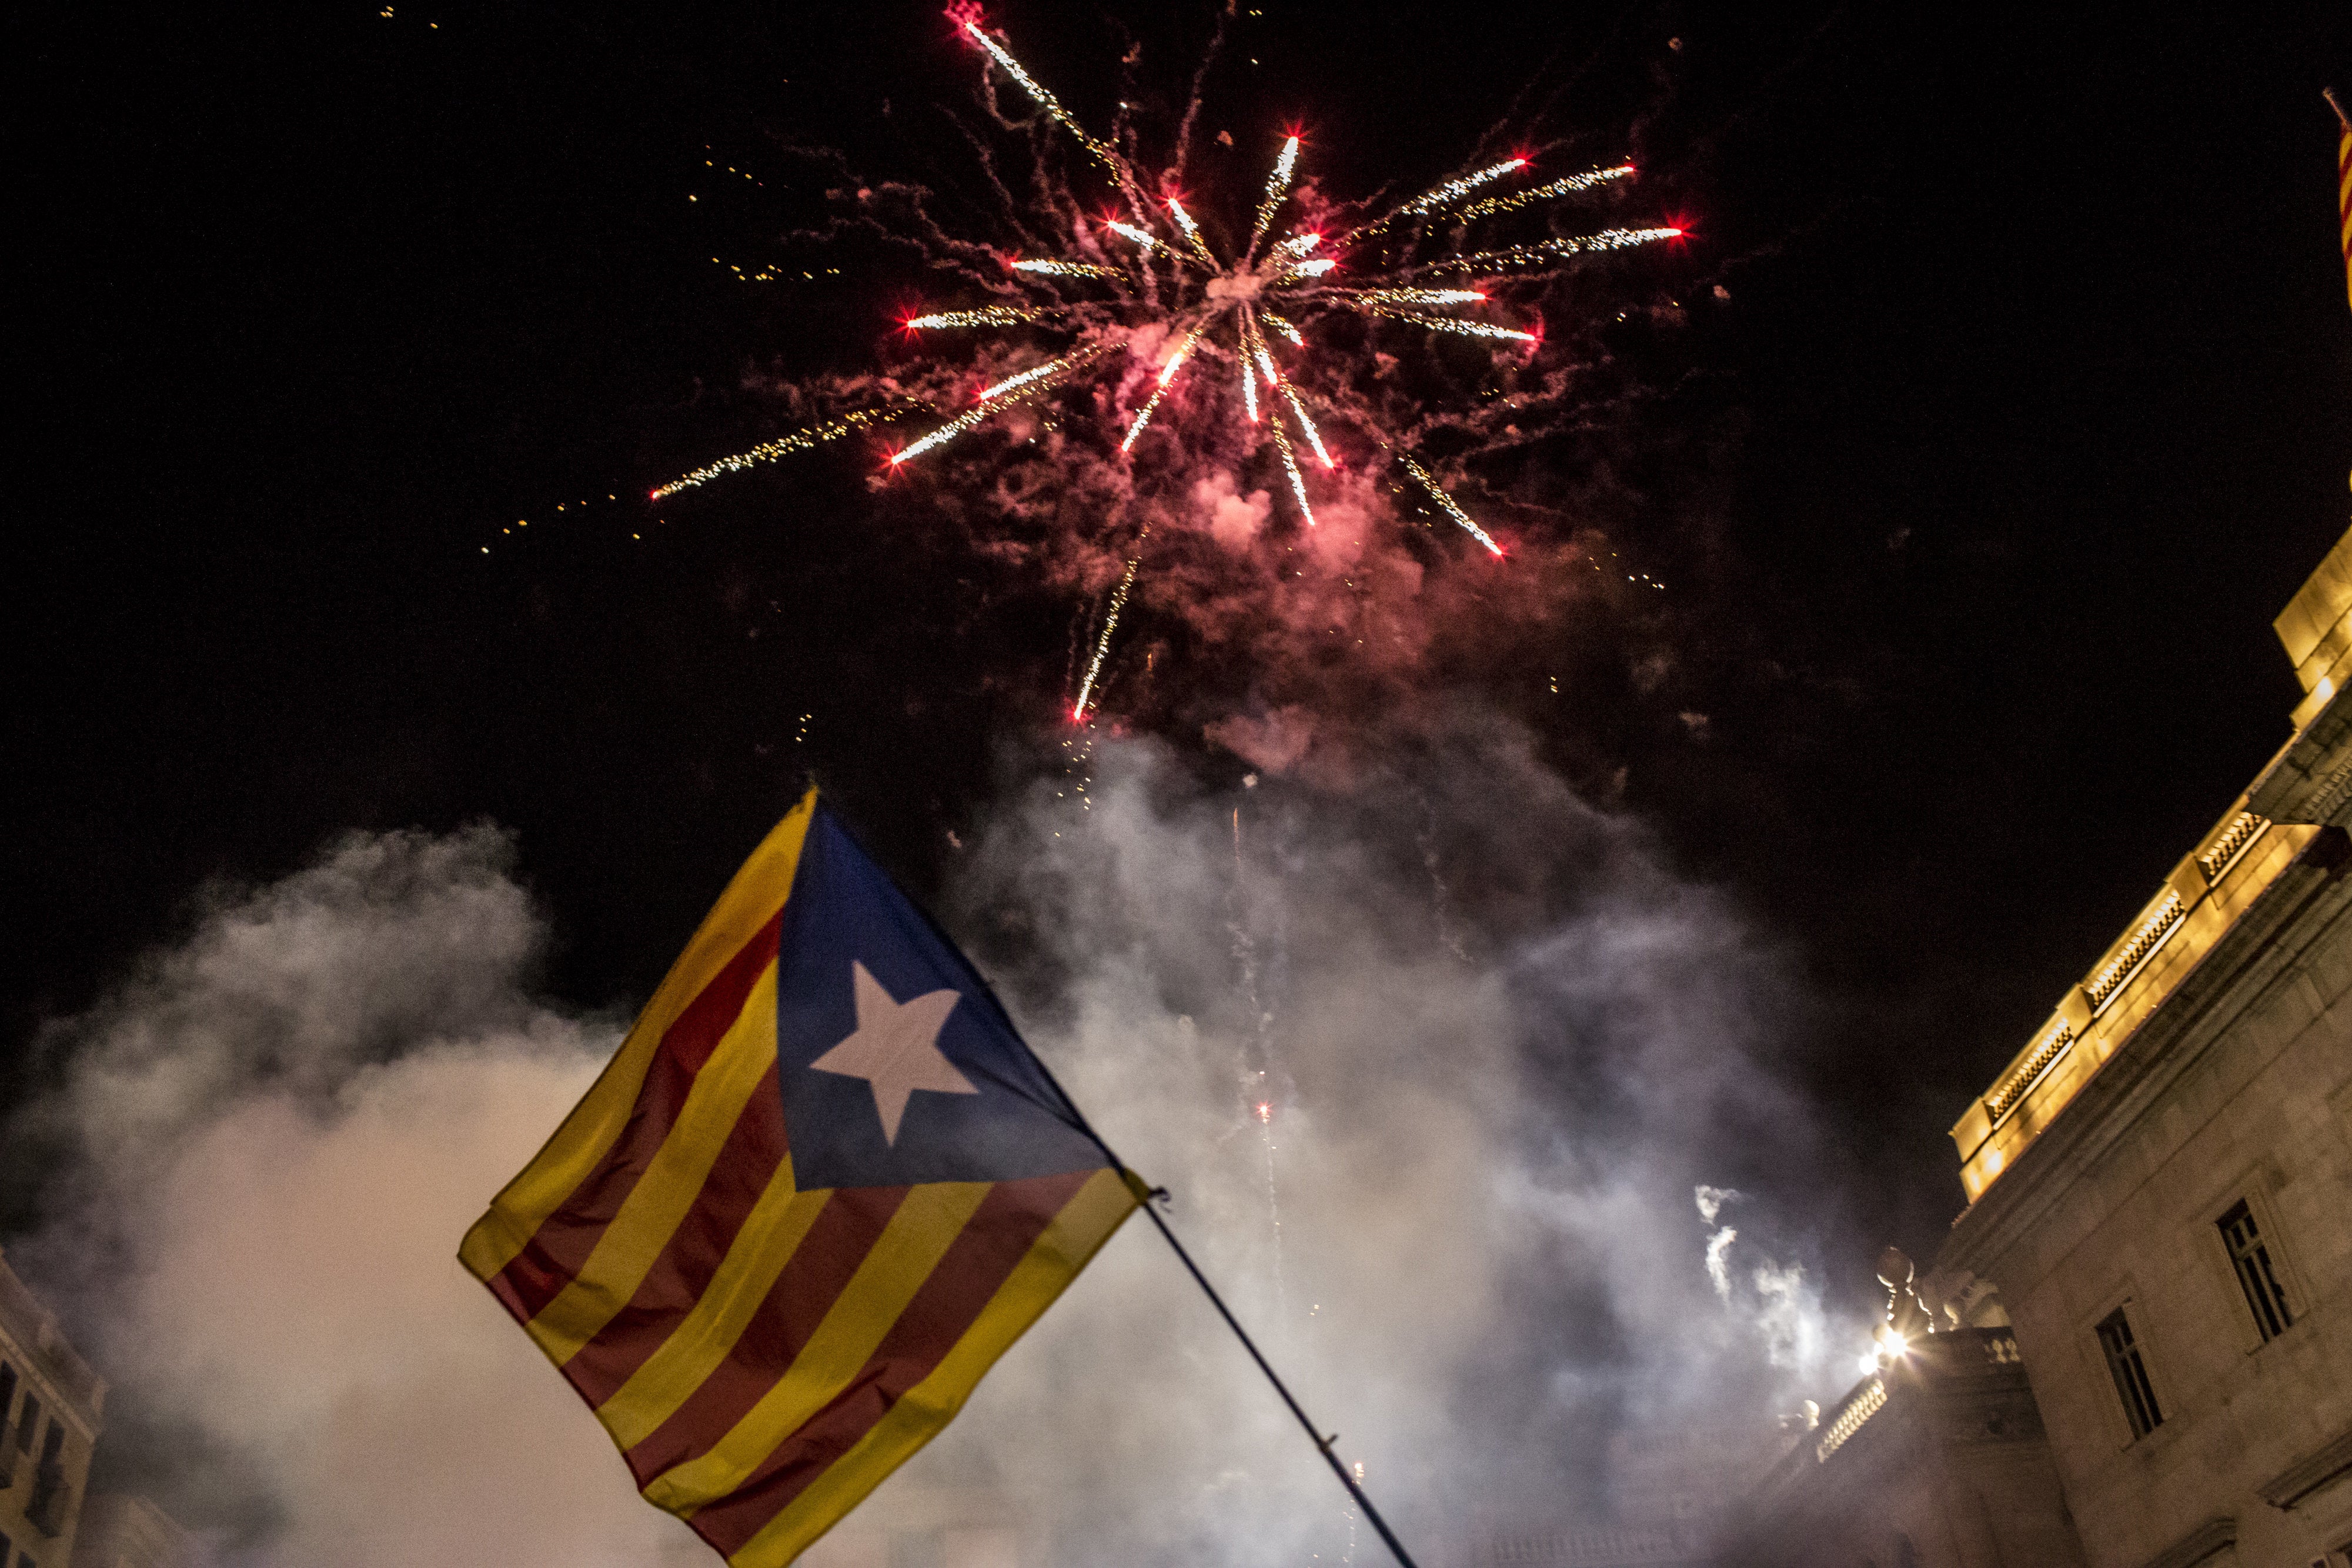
x=1323 y=1445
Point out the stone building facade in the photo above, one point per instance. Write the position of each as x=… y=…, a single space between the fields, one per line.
x=1937 y=1460
x=120 y=1531
x=50 y=1403
x=2160 y=1182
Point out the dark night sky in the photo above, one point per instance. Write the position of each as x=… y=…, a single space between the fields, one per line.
x=2027 y=409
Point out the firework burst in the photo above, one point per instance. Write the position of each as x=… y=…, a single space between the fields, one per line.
x=1136 y=314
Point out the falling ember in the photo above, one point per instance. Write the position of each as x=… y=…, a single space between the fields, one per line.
x=1535 y=254
x=1168 y=374
x=1192 y=231
x=1143 y=238
x=1459 y=329
x=1023 y=379
x=987 y=316
x=784 y=446
x=941 y=436
x=1313 y=437
x=1048 y=268
x=1283 y=326
x=1141 y=418
x=1462 y=187
x=1176 y=360
x=1417 y=295
x=1517 y=199
x=1290 y=466
x=1102 y=643
x=1045 y=100
x=1437 y=493
x=1174 y=285
x=1276 y=184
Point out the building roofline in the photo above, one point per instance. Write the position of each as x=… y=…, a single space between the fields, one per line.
x=2209 y=893
x=2246 y=963
x=75 y=1390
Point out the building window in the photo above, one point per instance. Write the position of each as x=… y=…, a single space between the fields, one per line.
x=2252 y=1259
x=7 y=1397
x=25 y=1423
x=2130 y=1373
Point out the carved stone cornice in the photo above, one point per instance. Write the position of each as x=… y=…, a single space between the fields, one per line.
x=2216 y=1535
x=2311 y=778
x=2324 y=1464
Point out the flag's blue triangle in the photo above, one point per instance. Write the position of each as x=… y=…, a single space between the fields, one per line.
x=845 y=910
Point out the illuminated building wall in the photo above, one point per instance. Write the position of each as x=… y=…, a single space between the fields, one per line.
x=1937 y=1460
x=2160 y=1181
x=48 y=1424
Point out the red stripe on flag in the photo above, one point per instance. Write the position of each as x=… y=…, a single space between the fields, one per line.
x=843 y=1232
x=560 y=1248
x=975 y=1267
x=675 y=1282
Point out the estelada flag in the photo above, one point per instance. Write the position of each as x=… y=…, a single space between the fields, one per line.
x=821 y=1186
x=2344 y=196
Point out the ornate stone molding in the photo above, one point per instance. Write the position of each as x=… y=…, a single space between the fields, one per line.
x=2324 y=1464
x=2215 y=1535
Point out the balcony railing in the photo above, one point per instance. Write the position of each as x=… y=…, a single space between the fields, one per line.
x=1859 y=1408
x=2004 y=1099
x=1955 y=1359
x=2144 y=941
x=2216 y=857
x=2230 y=868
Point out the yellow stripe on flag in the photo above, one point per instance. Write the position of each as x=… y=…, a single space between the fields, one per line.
x=2343 y=201
x=902 y=1257
x=1086 y=1222
x=695 y=1349
x=672 y=1181
x=588 y=1133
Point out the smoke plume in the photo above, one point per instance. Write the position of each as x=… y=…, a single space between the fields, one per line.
x=1431 y=1068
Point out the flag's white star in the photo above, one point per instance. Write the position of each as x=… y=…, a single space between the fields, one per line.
x=896 y=1048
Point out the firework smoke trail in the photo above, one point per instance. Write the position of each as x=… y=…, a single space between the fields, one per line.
x=785 y=445
x=1277 y=185
x=1118 y=289
x=1273 y=1204
x=1109 y=628
x=1535 y=254
x=1557 y=188
x=1257 y=1081
x=1437 y=493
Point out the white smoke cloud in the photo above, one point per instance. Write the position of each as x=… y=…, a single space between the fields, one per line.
x=284 y=1127
x=1458 y=1223
x=1462 y=1227
x=1718 y=1262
